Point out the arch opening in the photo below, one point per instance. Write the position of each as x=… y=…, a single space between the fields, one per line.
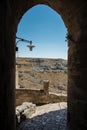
x=40 y=40
x=74 y=14
x=47 y=33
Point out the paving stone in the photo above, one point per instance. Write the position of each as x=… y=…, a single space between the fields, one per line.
x=46 y=118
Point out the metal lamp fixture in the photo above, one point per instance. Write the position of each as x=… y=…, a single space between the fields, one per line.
x=30 y=46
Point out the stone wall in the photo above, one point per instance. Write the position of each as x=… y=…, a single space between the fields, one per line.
x=37 y=97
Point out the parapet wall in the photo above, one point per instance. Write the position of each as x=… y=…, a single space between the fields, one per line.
x=37 y=97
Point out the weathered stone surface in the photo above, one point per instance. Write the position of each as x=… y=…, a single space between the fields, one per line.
x=47 y=117
x=38 y=96
x=24 y=111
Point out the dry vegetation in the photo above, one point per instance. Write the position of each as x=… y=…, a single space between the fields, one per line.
x=32 y=72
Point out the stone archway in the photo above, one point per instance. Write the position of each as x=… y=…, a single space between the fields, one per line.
x=74 y=15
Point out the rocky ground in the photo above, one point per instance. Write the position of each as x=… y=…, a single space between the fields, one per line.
x=33 y=71
x=47 y=117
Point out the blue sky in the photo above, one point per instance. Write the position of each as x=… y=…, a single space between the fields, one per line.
x=46 y=29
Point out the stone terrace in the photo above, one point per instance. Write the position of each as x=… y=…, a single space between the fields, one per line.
x=47 y=117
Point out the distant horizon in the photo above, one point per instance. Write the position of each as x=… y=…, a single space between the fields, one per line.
x=40 y=58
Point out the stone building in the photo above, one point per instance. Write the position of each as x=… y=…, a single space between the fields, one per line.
x=74 y=15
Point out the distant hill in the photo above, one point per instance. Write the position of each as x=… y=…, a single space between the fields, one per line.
x=32 y=72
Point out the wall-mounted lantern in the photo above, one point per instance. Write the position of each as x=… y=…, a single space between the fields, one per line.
x=30 y=46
